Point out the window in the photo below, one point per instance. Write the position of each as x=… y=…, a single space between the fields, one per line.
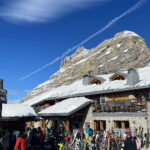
x=139 y=97
x=118 y=76
x=95 y=81
x=97 y=125
x=98 y=100
x=121 y=124
x=100 y=125
x=147 y=96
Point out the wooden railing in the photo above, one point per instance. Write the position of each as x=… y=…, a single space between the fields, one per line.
x=120 y=106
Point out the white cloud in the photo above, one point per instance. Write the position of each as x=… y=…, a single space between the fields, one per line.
x=27 y=91
x=12 y=92
x=13 y=101
x=42 y=10
x=108 y=25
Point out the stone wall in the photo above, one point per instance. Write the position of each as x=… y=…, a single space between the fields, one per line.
x=89 y=118
x=148 y=111
x=139 y=119
x=139 y=122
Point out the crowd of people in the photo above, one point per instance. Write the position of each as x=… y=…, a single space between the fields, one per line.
x=88 y=139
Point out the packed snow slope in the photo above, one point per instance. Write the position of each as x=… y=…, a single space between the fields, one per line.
x=125 y=50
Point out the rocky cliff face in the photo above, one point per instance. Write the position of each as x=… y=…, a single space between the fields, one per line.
x=125 y=50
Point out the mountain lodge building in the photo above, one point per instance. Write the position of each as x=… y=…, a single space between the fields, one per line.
x=119 y=101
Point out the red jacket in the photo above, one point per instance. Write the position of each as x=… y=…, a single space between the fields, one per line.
x=22 y=142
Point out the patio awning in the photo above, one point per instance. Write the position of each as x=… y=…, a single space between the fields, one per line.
x=66 y=107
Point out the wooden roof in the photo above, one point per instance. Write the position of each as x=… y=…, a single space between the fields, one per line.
x=118 y=76
x=97 y=80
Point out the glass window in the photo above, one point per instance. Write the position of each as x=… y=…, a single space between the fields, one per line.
x=98 y=100
x=139 y=97
x=146 y=95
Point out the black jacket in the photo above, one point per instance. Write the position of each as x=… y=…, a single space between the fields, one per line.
x=130 y=144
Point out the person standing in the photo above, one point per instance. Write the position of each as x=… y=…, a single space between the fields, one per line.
x=21 y=142
x=130 y=143
x=87 y=130
x=6 y=140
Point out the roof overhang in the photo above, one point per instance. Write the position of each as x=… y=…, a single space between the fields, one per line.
x=59 y=109
x=10 y=111
x=95 y=93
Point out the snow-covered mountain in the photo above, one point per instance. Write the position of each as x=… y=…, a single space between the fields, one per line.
x=125 y=50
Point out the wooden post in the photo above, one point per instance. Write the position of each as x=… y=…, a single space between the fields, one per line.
x=51 y=123
x=143 y=98
x=68 y=125
x=32 y=123
x=41 y=124
x=47 y=123
x=44 y=125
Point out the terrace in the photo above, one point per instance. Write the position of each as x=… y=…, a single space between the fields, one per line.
x=120 y=106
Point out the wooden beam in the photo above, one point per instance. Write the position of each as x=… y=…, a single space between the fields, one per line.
x=47 y=123
x=44 y=125
x=51 y=123
x=68 y=125
x=32 y=123
x=41 y=124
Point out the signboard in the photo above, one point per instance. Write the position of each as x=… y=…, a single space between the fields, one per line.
x=119 y=103
x=3 y=97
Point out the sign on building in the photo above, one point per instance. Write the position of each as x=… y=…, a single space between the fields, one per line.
x=3 y=96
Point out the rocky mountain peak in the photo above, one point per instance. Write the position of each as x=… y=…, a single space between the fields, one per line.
x=126 y=33
x=79 y=51
x=125 y=50
x=76 y=56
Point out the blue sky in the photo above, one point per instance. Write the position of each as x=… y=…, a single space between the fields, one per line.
x=33 y=33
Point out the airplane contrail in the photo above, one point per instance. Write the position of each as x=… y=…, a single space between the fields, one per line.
x=108 y=25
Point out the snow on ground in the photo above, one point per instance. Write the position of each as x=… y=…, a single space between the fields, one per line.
x=100 y=66
x=118 y=45
x=108 y=51
x=125 y=34
x=114 y=58
x=126 y=50
x=129 y=33
x=17 y=110
x=43 y=84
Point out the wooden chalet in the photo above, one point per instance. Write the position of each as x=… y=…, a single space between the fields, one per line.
x=121 y=100
x=15 y=116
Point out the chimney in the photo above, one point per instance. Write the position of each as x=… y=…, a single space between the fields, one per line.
x=132 y=77
x=87 y=78
x=1 y=83
x=90 y=73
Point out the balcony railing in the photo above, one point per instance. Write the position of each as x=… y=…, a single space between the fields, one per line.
x=121 y=106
